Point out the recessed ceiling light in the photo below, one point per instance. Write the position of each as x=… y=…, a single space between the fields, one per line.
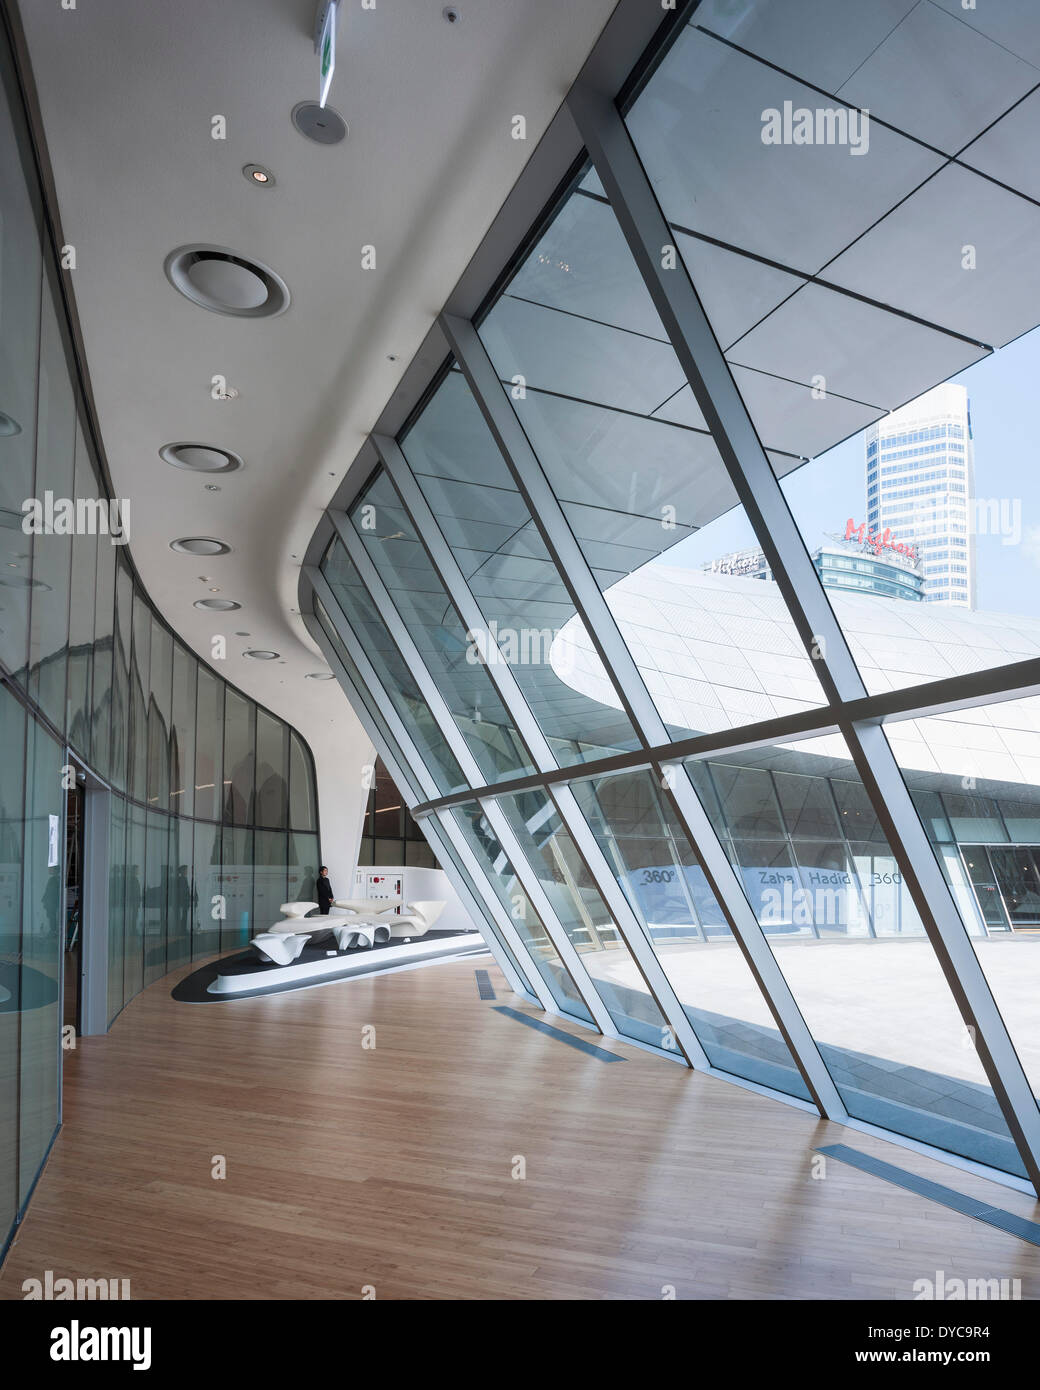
x=199 y=545
x=8 y=425
x=217 y=279
x=211 y=487
x=215 y=589
x=262 y=655
x=216 y=605
x=256 y=173
x=200 y=458
x=319 y=123
x=320 y=676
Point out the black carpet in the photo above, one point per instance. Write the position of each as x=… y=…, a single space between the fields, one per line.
x=193 y=988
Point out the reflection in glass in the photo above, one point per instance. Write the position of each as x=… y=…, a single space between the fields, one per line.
x=42 y=955
x=12 y=858
x=395 y=678
x=82 y=603
x=209 y=746
x=52 y=552
x=446 y=648
x=503 y=558
x=236 y=886
x=270 y=878
x=206 y=903
x=980 y=765
x=482 y=840
x=239 y=757
x=565 y=879
x=272 y=783
x=662 y=878
x=831 y=900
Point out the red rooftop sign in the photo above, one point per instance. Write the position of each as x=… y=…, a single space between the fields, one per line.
x=879 y=541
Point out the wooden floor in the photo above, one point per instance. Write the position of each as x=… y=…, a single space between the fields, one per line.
x=391 y=1166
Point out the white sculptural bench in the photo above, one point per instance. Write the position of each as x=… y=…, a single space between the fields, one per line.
x=353 y=922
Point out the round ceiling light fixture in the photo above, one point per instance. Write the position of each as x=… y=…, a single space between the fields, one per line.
x=217 y=279
x=320 y=676
x=199 y=545
x=8 y=425
x=257 y=174
x=200 y=458
x=216 y=605
x=322 y=124
x=262 y=655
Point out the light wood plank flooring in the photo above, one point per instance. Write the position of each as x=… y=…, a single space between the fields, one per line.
x=391 y=1167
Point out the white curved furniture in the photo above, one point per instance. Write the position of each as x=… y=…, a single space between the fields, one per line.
x=355 y=934
x=296 y=910
x=367 y=907
x=416 y=920
x=283 y=948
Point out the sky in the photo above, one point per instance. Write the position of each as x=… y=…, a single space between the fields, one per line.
x=1004 y=394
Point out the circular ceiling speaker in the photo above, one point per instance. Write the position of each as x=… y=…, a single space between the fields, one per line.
x=319 y=123
x=217 y=279
x=216 y=605
x=200 y=458
x=8 y=425
x=199 y=545
x=262 y=656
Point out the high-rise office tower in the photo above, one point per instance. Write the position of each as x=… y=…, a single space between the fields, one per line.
x=921 y=487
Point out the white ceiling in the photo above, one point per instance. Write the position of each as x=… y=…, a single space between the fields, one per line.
x=128 y=90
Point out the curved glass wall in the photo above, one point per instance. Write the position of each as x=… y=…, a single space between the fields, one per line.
x=90 y=676
x=598 y=578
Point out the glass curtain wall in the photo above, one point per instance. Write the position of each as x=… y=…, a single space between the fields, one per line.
x=728 y=368
x=88 y=669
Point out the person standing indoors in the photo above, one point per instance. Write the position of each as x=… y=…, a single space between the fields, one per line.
x=324 y=891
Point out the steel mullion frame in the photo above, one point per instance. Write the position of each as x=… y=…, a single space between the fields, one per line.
x=590 y=605
x=438 y=708
x=629 y=928
x=565 y=948
x=463 y=889
x=533 y=988
x=646 y=720
x=409 y=751
x=647 y=232
x=552 y=525
x=750 y=938
x=913 y=702
x=398 y=630
x=465 y=603
x=592 y=608
x=908 y=840
x=471 y=863
x=321 y=588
